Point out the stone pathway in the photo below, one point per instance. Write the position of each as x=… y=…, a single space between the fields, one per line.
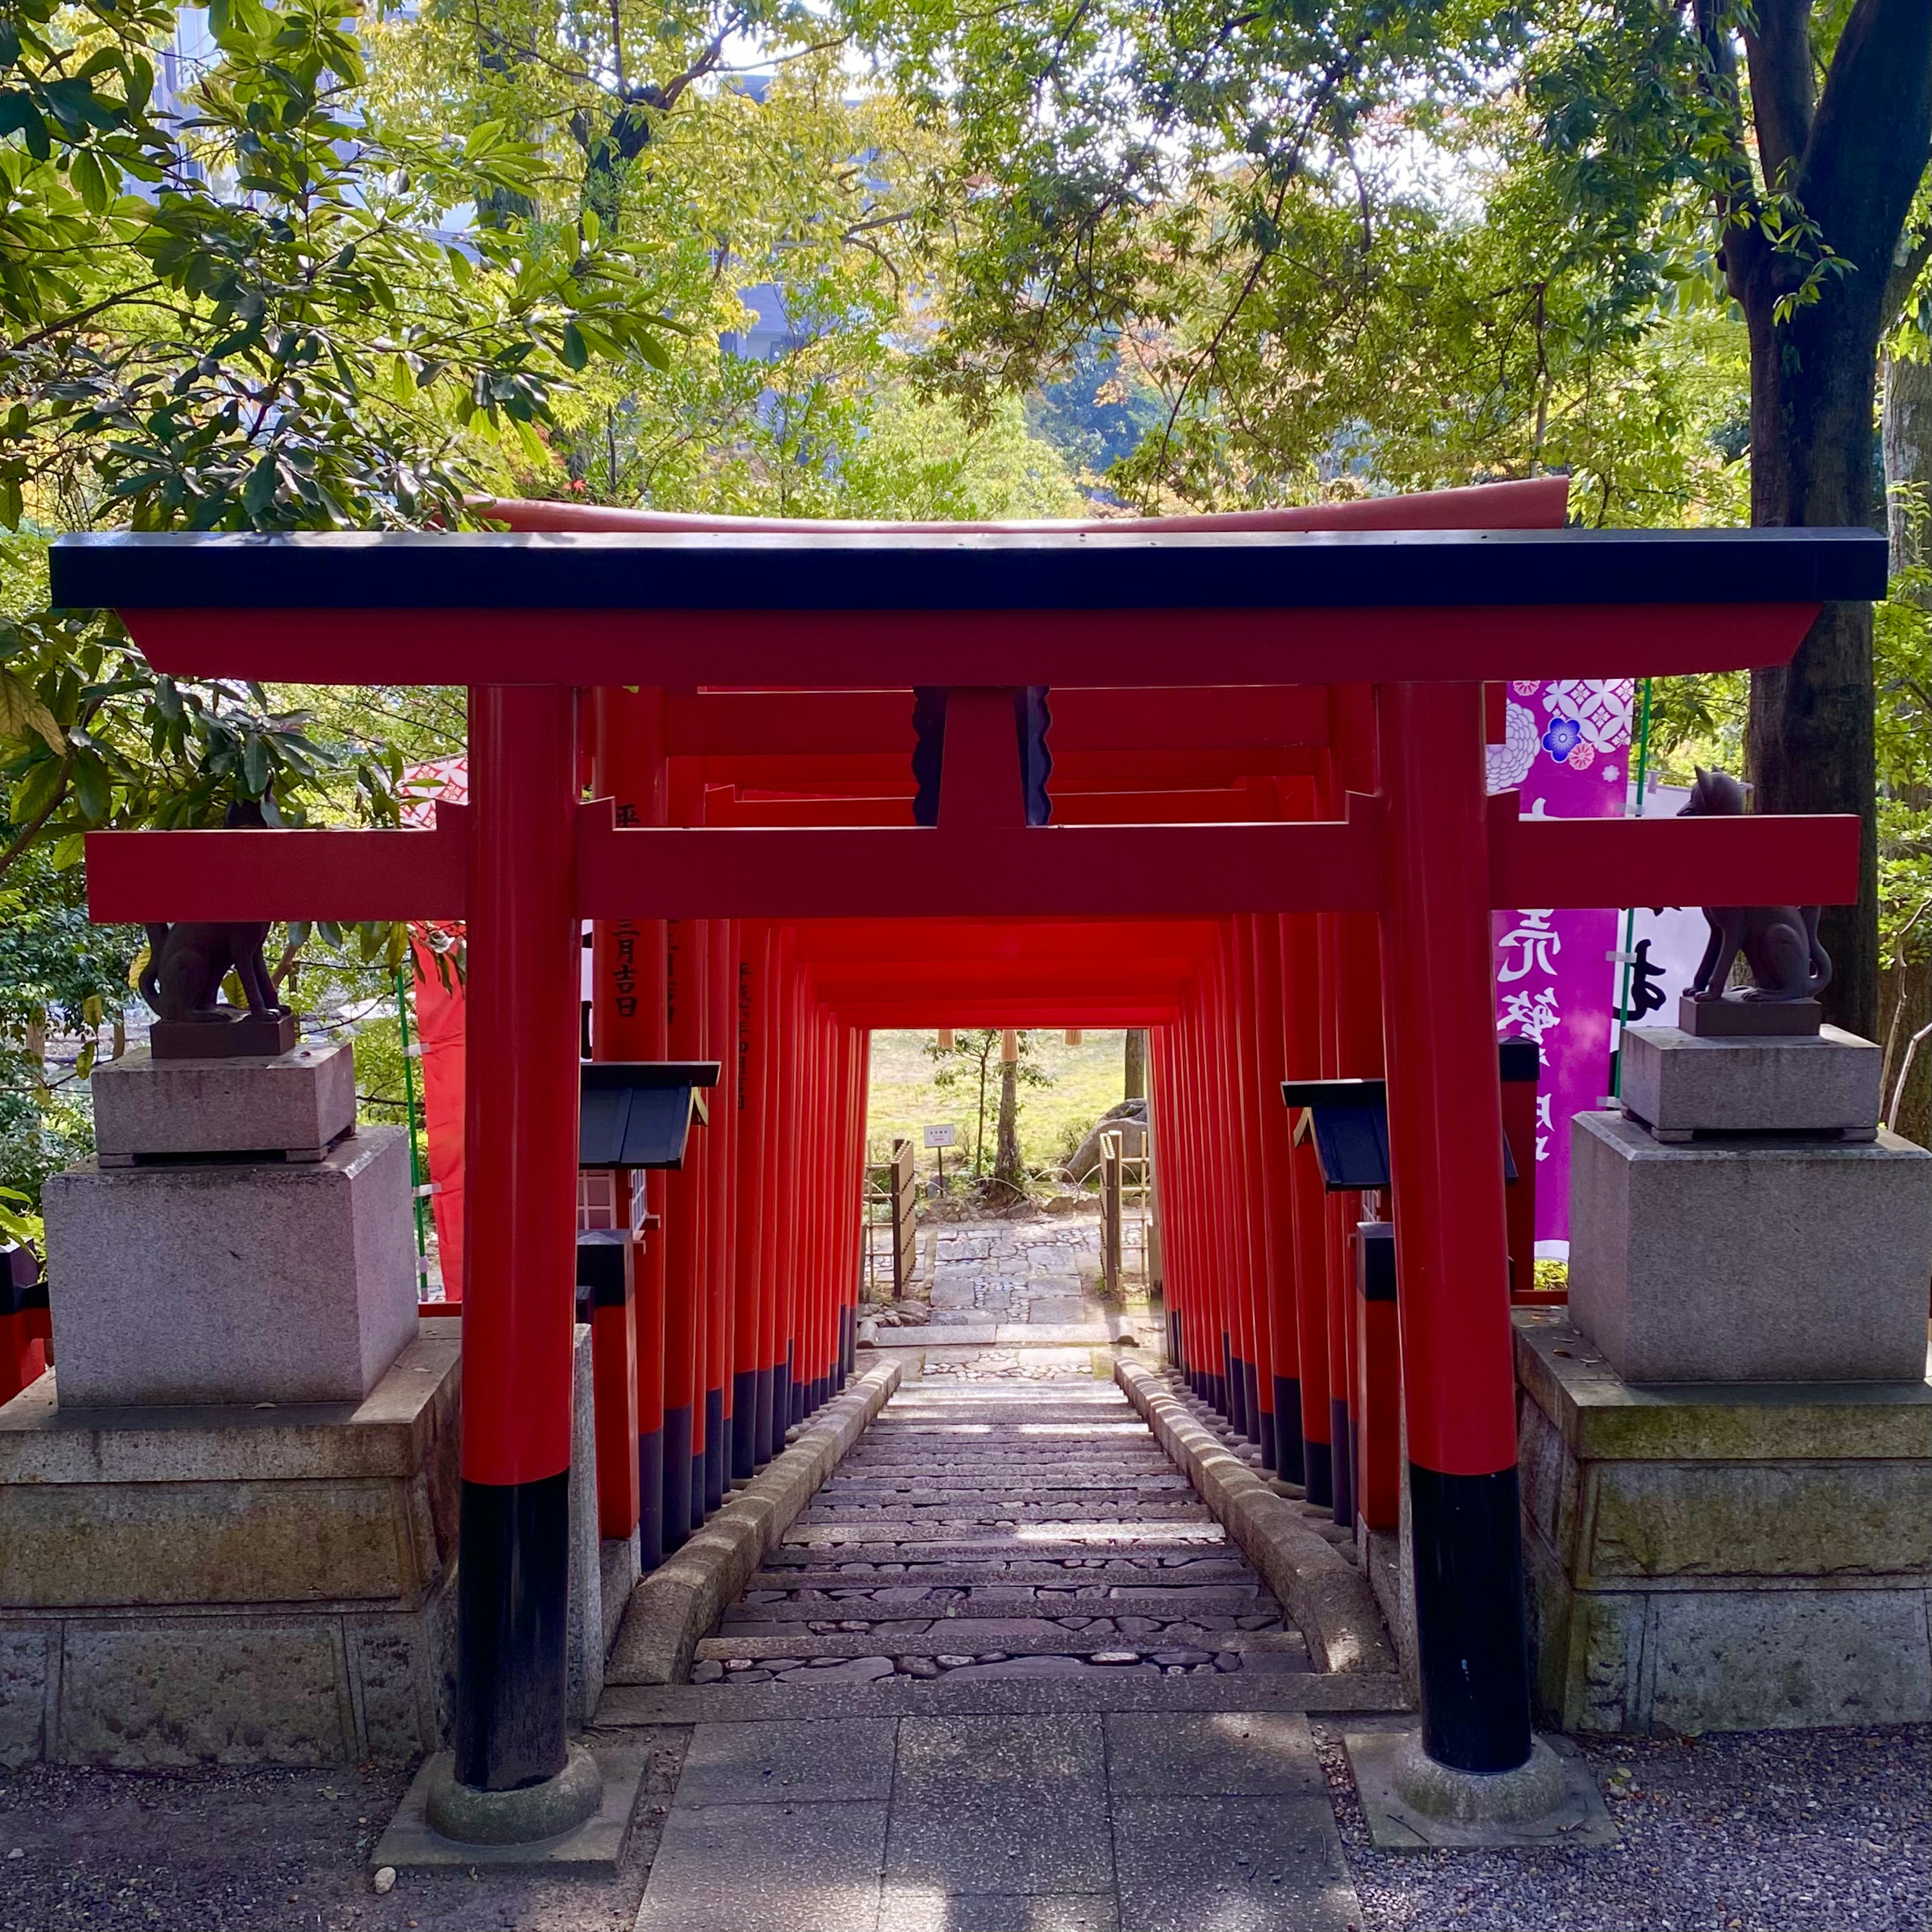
x=1036 y=1270
x=1111 y=1752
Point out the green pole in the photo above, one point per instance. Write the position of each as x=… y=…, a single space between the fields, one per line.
x=1629 y=914
x=415 y=1160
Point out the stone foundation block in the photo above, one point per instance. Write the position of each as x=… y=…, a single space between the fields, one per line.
x=224 y=1586
x=299 y=1101
x=1722 y=1557
x=1763 y=1261
x=242 y=1282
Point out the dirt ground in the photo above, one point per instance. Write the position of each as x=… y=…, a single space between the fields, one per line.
x=273 y=1851
x=1772 y=1832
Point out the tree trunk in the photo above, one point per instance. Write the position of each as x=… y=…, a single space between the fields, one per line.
x=1007 y=1143
x=1851 y=157
x=1136 y=1069
x=1814 y=382
x=1907 y=440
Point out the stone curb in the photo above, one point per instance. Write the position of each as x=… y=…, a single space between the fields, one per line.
x=1326 y=1596
x=677 y=1603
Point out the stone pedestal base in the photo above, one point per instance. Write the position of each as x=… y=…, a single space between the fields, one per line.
x=1678 y=1083
x=232 y=1281
x=1723 y=1558
x=182 y=1586
x=296 y=1106
x=1755 y=1261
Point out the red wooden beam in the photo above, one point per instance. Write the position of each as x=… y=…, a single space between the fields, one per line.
x=1067 y=872
x=713 y=724
x=991 y=872
x=1619 y=861
x=866 y=649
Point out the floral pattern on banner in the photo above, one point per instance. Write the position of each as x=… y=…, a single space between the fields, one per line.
x=1565 y=749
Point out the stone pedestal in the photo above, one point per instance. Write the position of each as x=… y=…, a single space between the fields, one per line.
x=232 y=1281
x=1757 y=1259
x=1679 y=1084
x=185 y=1585
x=1723 y=1557
x=294 y=1105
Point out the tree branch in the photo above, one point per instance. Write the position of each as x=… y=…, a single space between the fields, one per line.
x=1873 y=134
x=1778 y=48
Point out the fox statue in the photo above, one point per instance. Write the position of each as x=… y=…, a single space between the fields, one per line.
x=188 y=962
x=1780 y=943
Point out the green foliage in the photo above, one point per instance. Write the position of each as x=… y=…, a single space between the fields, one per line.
x=973 y=1062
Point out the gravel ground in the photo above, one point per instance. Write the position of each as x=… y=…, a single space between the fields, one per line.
x=272 y=1851
x=1759 y=1832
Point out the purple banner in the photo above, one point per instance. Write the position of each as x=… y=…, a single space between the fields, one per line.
x=1565 y=750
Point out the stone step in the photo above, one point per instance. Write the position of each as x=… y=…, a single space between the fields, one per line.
x=948 y=1575
x=1018 y=1637
x=1104 y=1535
x=1004 y=1510
x=814 y=1606
x=908 y=1495
x=1116 y=1688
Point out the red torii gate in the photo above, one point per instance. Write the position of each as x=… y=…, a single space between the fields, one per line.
x=1422 y=620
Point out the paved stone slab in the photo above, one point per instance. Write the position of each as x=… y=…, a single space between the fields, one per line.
x=796 y=1867
x=1095 y=1690
x=836 y=1761
x=1241 y=1753
x=971 y=1795
x=1245 y=1864
x=916 y=1908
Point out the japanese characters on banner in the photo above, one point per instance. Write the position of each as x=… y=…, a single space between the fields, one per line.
x=1565 y=751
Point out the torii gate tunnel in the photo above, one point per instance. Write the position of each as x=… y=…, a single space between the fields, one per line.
x=1273 y=849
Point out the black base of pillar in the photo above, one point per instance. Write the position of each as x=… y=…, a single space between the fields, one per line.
x=1318 y=1467
x=1288 y=1428
x=761 y=1434
x=1474 y=1659
x=1176 y=1354
x=848 y=1342
x=744 y=1426
x=677 y=1523
x=1251 y=1391
x=801 y=1397
x=512 y=1596
x=780 y=1405
x=698 y=1511
x=1267 y=1438
x=650 y=1501
x=1341 y=1437
x=716 y=1445
x=1232 y=1386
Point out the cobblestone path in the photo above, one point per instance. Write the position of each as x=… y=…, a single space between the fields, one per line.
x=1032 y=1271
x=1003 y=1528
x=1005 y=1674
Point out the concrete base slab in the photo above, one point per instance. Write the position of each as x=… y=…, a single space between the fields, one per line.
x=1580 y=1818
x=595 y=1849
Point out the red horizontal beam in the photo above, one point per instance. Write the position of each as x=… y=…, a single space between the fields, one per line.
x=1063 y=872
x=867 y=649
x=1670 y=862
x=922 y=1014
x=1067 y=871
x=837 y=723
x=1221 y=805
x=832 y=942
x=340 y=875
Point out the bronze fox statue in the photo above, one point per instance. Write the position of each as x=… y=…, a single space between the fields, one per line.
x=1780 y=943
x=188 y=962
